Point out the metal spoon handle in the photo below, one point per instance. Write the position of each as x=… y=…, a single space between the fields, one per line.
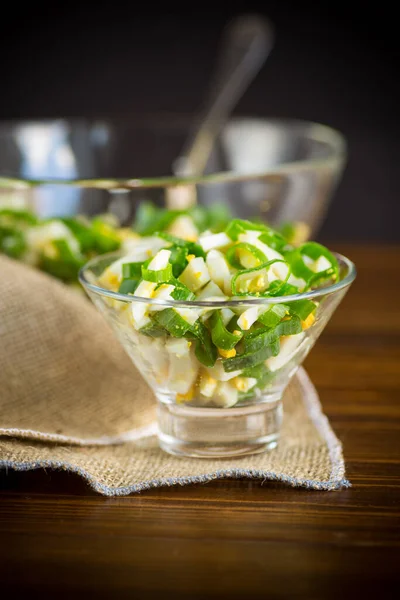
x=246 y=43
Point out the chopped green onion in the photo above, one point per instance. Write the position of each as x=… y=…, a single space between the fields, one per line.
x=280 y=288
x=258 y=339
x=243 y=274
x=178 y=259
x=65 y=265
x=12 y=242
x=192 y=247
x=273 y=315
x=218 y=216
x=132 y=270
x=82 y=231
x=205 y=351
x=233 y=252
x=256 y=372
x=301 y=308
x=150 y=219
x=8 y=215
x=152 y=330
x=221 y=337
x=261 y=373
x=172 y=322
x=273 y=239
x=181 y=292
x=105 y=237
x=313 y=251
x=173 y=239
x=251 y=359
x=243 y=396
x=160 y=276
x=128 y=286
x=238 y=226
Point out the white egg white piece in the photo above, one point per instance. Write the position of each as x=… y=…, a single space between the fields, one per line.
x=297 y=281
x=289 y=345
x=184 y=227
x=248 y=317
x=139 y=310
x=225 y=395
x=244 y=384
x=178 y=346
x=182 y=372
x=160 y=261
x=211 y=290
x=190 y=315
x=226 y=315
x=218 y=372
x=141 y=249
x=195 y=275
x=321 y=264
x=207 y=385
x=219 y=270
x=213 y=241
x=255 y=281
x=163 y=292
x=153 y=356
x=278 y=269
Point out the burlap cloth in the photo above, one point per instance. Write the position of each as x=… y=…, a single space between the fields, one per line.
x=71 y=399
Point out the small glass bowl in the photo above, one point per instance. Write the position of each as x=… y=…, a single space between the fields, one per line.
x=196 y=416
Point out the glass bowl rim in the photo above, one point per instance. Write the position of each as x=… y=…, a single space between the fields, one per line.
x=313 y=294
x=319 y=131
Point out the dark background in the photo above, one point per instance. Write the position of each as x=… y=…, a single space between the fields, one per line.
x=335 y=64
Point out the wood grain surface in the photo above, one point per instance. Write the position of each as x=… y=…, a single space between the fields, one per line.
x=241 y=539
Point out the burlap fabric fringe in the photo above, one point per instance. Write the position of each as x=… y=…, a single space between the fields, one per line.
x=71 y=399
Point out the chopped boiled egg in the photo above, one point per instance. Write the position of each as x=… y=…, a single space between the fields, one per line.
x=248 y=318
x=247 y=259
x=308 y=322
x=178 y=346
x=211 y=290
x=160 y=261
x=321 y=264
x=188 y=397
x=225 y=396
x=184 y=227
x=227 y=353
x=139 y=310
x=213 y=241
x=207 y=385
x=163 y=292
x=218 y=372
x=182 y=372
x=190 y=315
x=253 y=282
x=109 y=280
x=288 y=347
x=219 y=270
x=297 y=281
x=226 y=315
x=139 y=250
x=278 y=269
x=244 y=384
x=195 y=275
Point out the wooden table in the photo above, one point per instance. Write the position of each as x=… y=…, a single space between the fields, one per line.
x=238 y=538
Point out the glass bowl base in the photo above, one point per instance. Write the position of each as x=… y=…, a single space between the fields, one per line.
x=219 y=433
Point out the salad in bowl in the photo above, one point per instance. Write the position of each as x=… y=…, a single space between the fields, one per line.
x=217 y=320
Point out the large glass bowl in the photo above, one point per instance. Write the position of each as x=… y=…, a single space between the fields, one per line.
x=226 y=409
x=276 y=170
